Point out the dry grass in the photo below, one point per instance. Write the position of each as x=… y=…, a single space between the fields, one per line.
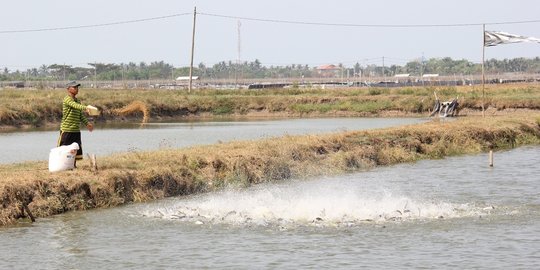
x=144 y=176
x=34 y=108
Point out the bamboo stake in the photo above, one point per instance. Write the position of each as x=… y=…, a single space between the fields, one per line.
x=93 y=161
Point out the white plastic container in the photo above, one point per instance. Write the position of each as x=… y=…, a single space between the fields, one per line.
x=93 y=110
x=63 y=157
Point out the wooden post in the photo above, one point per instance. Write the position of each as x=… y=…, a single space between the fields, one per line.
x=192 y=50
x=93 y=161
x=490 y=158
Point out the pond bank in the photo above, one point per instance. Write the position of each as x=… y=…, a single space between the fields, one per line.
x=36 y=108
x=265 y=115
x=144 y=176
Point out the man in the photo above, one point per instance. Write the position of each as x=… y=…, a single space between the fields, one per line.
x=72 y=117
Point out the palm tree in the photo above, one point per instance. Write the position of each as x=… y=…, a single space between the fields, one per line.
x=43 y=70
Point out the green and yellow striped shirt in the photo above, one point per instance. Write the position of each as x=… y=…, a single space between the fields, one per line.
x=72 y=115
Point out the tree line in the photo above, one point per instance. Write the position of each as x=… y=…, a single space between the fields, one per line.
x=254 y=69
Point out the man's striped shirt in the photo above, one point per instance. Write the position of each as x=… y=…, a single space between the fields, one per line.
x=72 y=115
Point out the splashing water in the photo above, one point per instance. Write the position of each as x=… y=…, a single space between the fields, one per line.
x=319 y=203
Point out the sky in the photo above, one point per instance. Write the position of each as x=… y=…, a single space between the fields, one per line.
x=272 y=43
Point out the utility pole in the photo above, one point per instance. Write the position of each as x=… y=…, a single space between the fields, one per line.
x=384 y=74
x=422 y=69
x=192 y=50
x=238 y=61
x=95 y=75
x=483 y=74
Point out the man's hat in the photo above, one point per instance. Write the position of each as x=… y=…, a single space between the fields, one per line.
x=72 y=84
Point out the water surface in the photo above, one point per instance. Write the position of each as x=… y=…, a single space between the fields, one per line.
x=453 y=213
x=107 y=139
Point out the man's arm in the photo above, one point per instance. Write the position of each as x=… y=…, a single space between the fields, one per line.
x=69 y=101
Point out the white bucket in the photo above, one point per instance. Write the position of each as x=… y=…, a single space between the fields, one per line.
x=63 y=157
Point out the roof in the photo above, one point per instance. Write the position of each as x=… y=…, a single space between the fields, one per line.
x=402 y=75
x=327 y=67
x=186 y=78
x=430 y=75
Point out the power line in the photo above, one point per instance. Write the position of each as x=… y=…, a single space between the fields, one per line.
x=266 y=20
x=366 y=25
x=92 y=25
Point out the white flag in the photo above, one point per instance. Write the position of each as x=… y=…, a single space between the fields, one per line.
x=496 y=38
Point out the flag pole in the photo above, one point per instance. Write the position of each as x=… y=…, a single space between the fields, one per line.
x=483 y=73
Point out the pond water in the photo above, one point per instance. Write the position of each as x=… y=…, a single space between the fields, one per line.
x=107 y=139
x=454 y=213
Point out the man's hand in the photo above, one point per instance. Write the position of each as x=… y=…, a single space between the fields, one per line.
x=90 y=127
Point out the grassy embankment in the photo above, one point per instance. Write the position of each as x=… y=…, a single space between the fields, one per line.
x=144 y=176
x=41 y=107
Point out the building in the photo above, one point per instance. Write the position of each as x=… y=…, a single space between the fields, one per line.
x=186 y=78
x=328 y=71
